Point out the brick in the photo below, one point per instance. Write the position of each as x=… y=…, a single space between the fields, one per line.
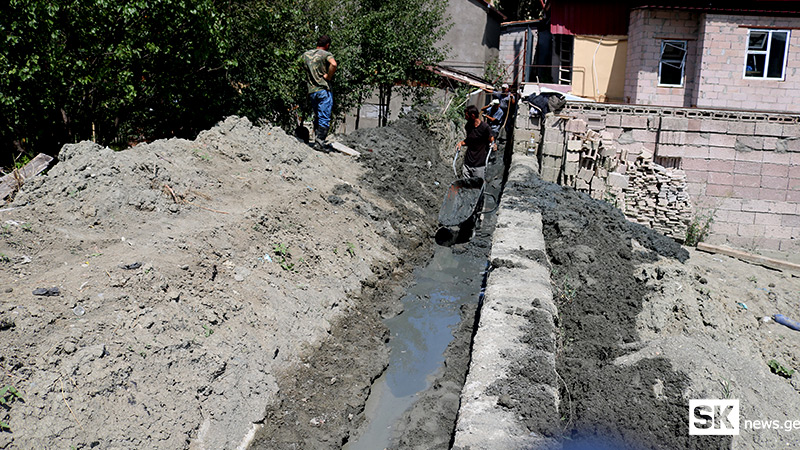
x=744 y=180
x=777 y=195
x=697 y=139
x=782 y=208
x=731 y=204
x=738 y=217
x=741 y=128
x=643 y=136
x=721 y=153
x=778 y=232
x=747 y=168
x=631 y=121
x=674 y=123
x=790 y=220
x=613 y=120
x=774 y=182
x=792 y=145
x=768 y=219
x=760 y=206
x=719 y=178
x=718 y=126
x=695 y=164
x=772 y=144
x=694 y=176
x=790 y=246
x=791 y=130
x=672 y=137
x=751 y=230
x=694 y=125
x=749 y=143
x=793 y=196
x=754 y=156
x=724 y=227
x=674 y=151
x=768 y=243
x=719 y=190
x=717 y=165
x=777 y=158
x=746 y=191
x=768 y=129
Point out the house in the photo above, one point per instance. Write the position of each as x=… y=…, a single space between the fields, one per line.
x=733 y=55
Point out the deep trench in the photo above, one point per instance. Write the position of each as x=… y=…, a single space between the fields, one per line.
x=431 y=338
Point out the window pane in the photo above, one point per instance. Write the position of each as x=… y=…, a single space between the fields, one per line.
x=758 y=40
x=777 y=50
x=755 y=66
x=670 y=74
x=673 y=50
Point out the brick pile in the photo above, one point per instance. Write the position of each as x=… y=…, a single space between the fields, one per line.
x=646 y=192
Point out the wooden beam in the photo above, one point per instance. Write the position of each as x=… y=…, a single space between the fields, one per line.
x=14 y=180
x=749 y=257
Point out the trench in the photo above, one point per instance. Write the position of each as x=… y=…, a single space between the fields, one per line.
x=430 y=341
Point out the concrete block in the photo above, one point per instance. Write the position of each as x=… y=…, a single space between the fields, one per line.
x=755 y=156
x=552 y=149
x=749 y=143
x=574 y=145
x=791 y=130
x=597 y=184
x=672 y=137
x=585 y=174
x=550 y=174
x=747 y=167
x=768 y=219
x=775 y=170
x=571 y=169
x=776 y=195
x=673 y=151
x=722 y=153
x=633 y=121
x=741 y=128
x=774 y=182
x=744 y=180
x=769 y=129
x=792 y=144
x=617 y=180
x=596 y=122
x=643 y=136
x=771 y=144
x=674 y=123
x=573 y=156
x=576 y=126
x=613 y=120
x=711 y=125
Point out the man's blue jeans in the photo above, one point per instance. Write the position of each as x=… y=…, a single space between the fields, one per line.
x=322 y=102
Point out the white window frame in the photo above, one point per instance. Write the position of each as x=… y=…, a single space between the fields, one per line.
x=766 y=53
x=676 y=43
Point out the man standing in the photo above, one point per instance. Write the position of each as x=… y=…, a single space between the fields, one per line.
x=479 y=140
x=320 y=67
x=494 y=116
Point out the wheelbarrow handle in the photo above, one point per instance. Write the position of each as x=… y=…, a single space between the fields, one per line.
x=455 y=158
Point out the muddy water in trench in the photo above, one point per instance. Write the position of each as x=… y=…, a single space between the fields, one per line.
x=419 y=336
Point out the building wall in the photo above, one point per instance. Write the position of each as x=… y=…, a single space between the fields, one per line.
x=721 y=76
x=601 y=60
x=514 y=56
x=741 y=168
x=474 y=38
x=646 y=31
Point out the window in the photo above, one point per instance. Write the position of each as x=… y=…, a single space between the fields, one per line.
x=766 y=54
x=672 y=64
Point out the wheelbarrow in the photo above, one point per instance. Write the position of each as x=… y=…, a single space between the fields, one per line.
x=461 y=207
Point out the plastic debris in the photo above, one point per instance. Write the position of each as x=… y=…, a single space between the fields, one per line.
x=742 y=305
x=783 y=320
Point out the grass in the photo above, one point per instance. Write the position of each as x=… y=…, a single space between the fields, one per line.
x=698 y=228
x=351 y=249
x=284 y=256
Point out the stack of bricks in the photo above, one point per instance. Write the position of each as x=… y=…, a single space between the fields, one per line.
x=657 y=198
x=552 y=148
x=646 y=192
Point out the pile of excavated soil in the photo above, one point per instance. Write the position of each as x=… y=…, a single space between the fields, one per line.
x=647 y=325
x=201 y=283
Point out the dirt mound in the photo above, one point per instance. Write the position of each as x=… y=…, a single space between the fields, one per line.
x=192 y=278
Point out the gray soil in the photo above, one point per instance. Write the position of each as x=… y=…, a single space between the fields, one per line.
x=647 y=325
x=229 y=291
x=210 y=288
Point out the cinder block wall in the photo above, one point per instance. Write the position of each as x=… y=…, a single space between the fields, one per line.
x=741 y=168
x=647 y=29
x=721 y=77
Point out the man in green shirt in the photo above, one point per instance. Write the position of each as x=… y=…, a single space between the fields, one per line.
x=320 y=67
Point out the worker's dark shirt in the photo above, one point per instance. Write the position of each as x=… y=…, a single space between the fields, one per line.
x=477 y=141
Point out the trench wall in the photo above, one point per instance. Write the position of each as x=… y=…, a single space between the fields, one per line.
x=517 y=296
x=740 y=168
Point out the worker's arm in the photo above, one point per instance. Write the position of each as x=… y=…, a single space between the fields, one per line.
x=492 y=144
x=331 y=69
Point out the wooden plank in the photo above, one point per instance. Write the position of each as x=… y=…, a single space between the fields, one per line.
x=344 y=149
x=9 y=183
x=749 y=257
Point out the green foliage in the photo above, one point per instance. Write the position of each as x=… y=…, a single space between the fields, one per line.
x=8 y=395
x=779 y=369
x=285 y=257
x=351 y=249
x=124 y=72
x=455 y=107
x=699 y=228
